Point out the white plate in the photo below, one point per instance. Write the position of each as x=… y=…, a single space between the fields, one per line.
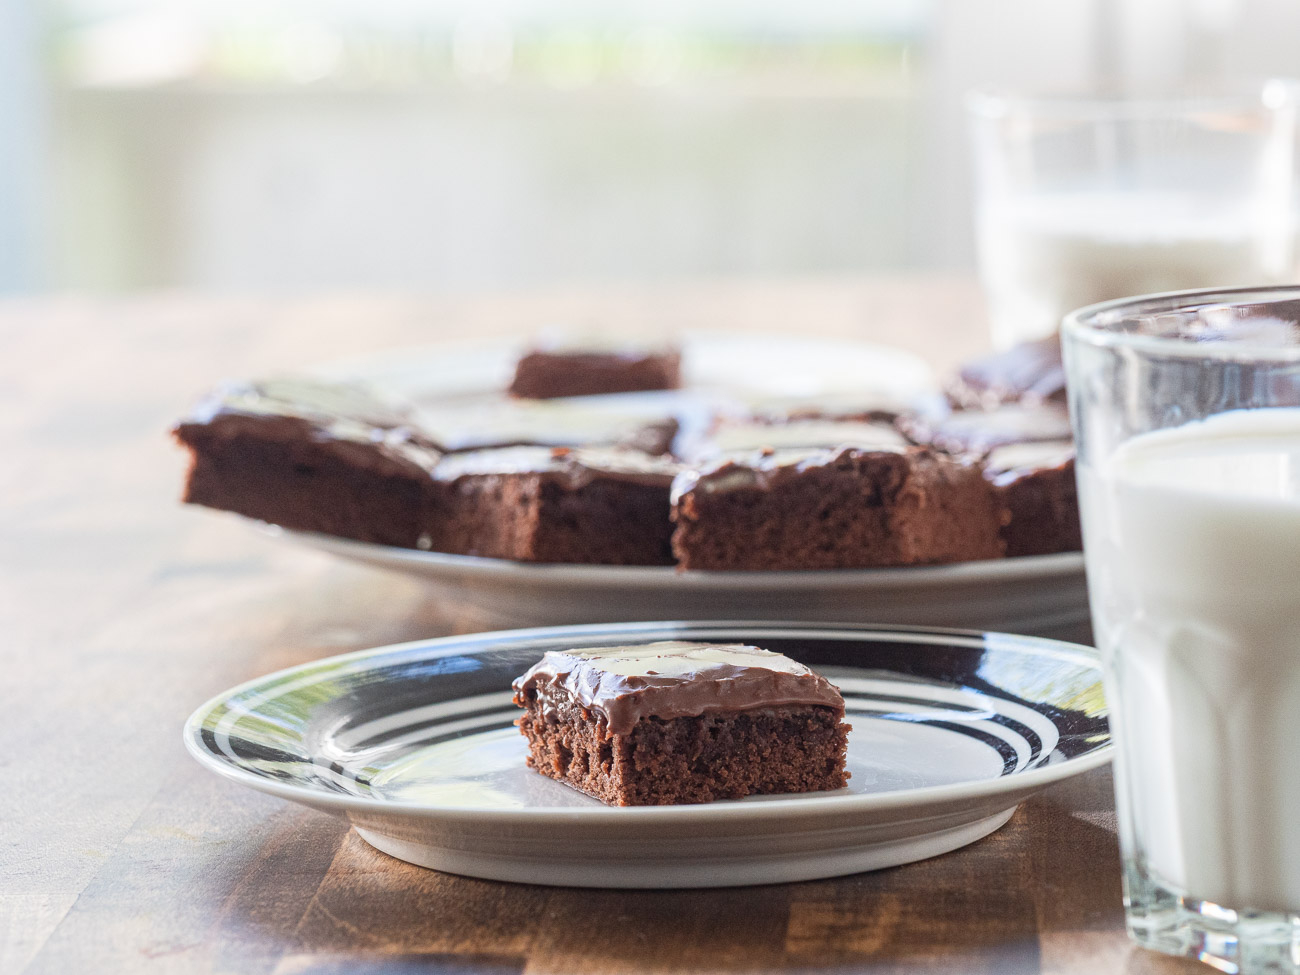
x=746 y=366
x=1041 y=595
x=415 y=745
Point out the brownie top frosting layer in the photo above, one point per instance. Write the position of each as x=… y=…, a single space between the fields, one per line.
x=979 y=431
x=763 y=469
x=1012 y=461
x=643 y=421
x=330 y=405
x=808 y=433
x=370 y=430
x=576 y=466
x=672 y=679
x=1030 y=370
x=880 y=405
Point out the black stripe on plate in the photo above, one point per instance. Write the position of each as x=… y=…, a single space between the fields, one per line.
x=249 y=751
x=1024 y=731
x=1078 y=732
x=1006 y=751
x=376 y=740
x=505 y=722
x=1014 y=725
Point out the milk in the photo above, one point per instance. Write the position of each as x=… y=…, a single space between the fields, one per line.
x=1193 y=547
x=1046 y=254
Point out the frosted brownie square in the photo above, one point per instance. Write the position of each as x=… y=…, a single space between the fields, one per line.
x=556 y=371
x=833 y=508
x=679 y=722
x=314 y=456
x=1035 y=484
x=538 y=504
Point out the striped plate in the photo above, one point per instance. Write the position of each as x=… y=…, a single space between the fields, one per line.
x=415 y=745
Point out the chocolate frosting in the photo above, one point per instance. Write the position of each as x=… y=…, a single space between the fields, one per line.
x=628 y=420
x=1031 y=371
x=979 y=431
x=574 y=466
x=810 y=432
x=349 y=408
x=350 y=419
x=762 y=469
x=1011 y=462
x=871 y=406
x=672 y=679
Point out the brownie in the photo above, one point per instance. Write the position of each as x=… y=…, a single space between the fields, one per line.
x=540 y=504
x=554 y=372
x=1035 y=485
x=678 y=722
x=1030 y=371
x=979 y=431
x=312 y=456
x=833 y=508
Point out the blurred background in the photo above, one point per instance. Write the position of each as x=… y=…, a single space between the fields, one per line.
x=297 y=145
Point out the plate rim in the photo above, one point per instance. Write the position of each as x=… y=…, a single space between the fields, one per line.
x=508 y=346
x=791 y=808
x=598 y=576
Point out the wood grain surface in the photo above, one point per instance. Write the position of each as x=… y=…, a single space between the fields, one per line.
x=121 y=611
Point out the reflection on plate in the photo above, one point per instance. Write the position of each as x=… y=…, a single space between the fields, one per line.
x=415 y=744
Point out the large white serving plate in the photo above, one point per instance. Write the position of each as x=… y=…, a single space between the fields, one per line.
x=747 y=366
x=415 y=745
x=1042 y=595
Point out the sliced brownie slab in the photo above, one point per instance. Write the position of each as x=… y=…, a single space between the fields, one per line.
x=833 y=508
x=1035 y=484
x=548 y=373
x=540 y=504
x=312 y=456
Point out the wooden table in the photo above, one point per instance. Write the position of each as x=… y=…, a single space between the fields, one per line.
x=121 y=611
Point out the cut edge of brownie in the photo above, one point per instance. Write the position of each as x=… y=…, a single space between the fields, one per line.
x=829 y=515
x=597 y=506
x=533 y=517
x=946 y=511
x=1041 y=503
x=845 y=509
x=705 y=758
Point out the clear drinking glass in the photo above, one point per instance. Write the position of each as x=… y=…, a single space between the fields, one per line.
x=1080 y=200
x=1186 y=410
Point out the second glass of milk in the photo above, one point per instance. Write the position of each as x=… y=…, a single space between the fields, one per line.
x=1187 y=420
x=1084 y=199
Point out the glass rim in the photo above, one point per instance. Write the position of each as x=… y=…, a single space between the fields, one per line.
x=1265 y=95
x=1084 y=324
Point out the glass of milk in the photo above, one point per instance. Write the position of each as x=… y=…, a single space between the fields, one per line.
x=1084 y=199
x=1186 y=410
